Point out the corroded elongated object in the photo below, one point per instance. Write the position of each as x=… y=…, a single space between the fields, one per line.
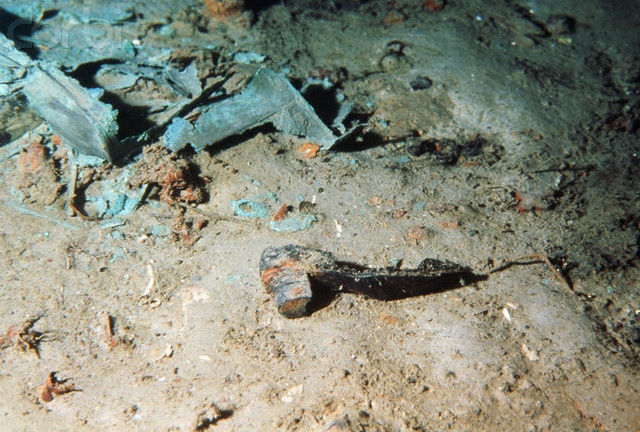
x=292 y=273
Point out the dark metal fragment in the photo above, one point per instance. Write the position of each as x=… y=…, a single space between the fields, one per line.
x=292 y=273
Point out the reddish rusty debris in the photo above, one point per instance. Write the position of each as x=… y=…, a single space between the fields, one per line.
x=179 y=180
x=56 y=140
x=33 y=158
x=418 y=233
x=433 y=5
x=526 y=204
x=282 y=212
x=188 y=228
x=111 y=340
x=399 y=213
x=54 y=387
x=451 y=224
x=308 y=150
x=393 y=17
x=224 y=9
x=23 y=336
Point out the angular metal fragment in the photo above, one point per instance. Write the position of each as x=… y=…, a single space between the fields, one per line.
x=85 y=124
x=291 y=273
x=268 y=98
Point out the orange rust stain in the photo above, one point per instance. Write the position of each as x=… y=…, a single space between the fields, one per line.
x=224 y=9
x=293 y=306
x=393 y=18
x=308 y=150
x=268 y=275
x=433 y=5
x=56 y=140
x=418 y=233
x=296 y=291
x=449 y=225
x=32 y=158
x=281 y=213
x=388 y=319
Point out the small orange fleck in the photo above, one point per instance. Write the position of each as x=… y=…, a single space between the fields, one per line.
x=393 y=18
x=449 y=225
x=309 y=150
x=433 y=5
x=200 y=223
x=418 y=233
x=56 y=140
x=281 y=213
x=224 y=9
x=388 y=319
x=397 y=214
x=517 y=196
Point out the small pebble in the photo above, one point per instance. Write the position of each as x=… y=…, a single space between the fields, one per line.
x=421 y=83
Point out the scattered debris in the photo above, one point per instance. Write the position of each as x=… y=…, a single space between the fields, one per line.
x=209 y=416
x=451 y=225
x=224 y=9
x=152 y=279
x=120 y=196
x=159 y=353
x=110 y=339
x=419 y=233
x=433 y=5
x=282 y=212
x=285 y=221
x=298 y=222
x=23 y=336
x=268 y=98
x=36 y=174
x=532 y=355
x=399 y=213
x=292 y=393
x=506 y=314
x=289 y=272
x=178 y=180
x=55 y=387
x=188 y=229
x=449 y=152
x=251 y=209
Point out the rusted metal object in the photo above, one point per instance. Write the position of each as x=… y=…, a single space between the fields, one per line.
x=292 y=273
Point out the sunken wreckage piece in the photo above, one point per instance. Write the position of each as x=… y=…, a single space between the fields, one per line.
x=268 y=98
x=84 y=123
x=292 y=273
x=90 y=126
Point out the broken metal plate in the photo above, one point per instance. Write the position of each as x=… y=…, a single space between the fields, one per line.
x=85 y=124
x=268 y=98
